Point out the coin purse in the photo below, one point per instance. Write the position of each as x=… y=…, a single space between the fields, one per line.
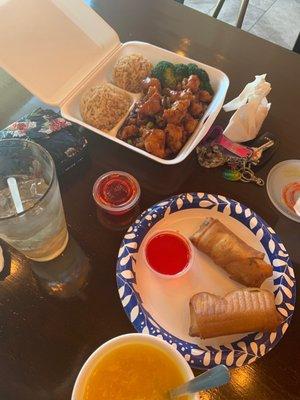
x=61 y=138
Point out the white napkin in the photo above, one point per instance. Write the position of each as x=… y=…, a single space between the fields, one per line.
x=252 y=108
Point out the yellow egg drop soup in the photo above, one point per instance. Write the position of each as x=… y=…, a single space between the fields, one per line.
x=133 y=371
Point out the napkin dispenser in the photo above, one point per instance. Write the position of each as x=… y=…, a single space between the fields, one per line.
x=59 y=48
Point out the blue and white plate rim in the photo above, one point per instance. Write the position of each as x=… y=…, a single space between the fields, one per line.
x=243 y=351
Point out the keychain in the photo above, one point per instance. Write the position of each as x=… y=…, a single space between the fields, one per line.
x=219 y=150
x=249 y=176
x=240 y=170
x=258 y=151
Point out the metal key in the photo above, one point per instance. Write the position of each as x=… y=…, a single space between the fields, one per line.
x=257 y=151
x=247 y=175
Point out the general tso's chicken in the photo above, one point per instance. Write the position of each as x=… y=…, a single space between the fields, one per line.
x=144 y=131
x=165 y=117
x=174 y=137
x=128 y=131
x=177 y=112
x=192 y=83
x=148 y=82
x=196 y=109
x=173 y=95
x=151 y=106
x=155 y=143
x=166 y=102
x=186 y=94
x=132 y=120
x=151 y=91
x=140 y=143
x=205 y=96
x=189 y=123
x=166 y=91
x=160 y=121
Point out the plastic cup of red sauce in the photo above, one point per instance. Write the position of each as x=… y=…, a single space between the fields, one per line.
x=116 y=192
x=168 y=254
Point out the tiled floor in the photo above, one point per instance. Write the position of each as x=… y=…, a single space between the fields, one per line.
x=275 y=20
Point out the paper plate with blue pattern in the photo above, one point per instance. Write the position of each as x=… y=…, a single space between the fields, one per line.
x=160 y=307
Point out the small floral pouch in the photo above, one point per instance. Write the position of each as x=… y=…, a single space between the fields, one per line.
x=61 y=138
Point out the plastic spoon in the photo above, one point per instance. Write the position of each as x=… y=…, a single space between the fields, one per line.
x=215 y=377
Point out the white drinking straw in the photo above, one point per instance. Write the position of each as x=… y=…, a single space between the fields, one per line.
x=15 y=194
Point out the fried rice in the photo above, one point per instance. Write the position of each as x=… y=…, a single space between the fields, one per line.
x=104 y=105
x=130 y=71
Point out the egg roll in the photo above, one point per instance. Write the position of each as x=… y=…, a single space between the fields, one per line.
x=244 y=264
x=240 y=311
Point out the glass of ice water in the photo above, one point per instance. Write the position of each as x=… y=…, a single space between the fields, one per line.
x=32 y=218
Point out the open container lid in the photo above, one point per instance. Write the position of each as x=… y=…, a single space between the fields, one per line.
x=50 y=46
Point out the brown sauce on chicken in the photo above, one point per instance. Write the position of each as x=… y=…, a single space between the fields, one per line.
x=164 y=119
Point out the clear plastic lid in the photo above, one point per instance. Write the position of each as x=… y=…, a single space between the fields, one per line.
x=50 y=46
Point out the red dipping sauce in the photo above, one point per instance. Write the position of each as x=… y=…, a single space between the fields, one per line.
x=116 y=192
x=168 y=253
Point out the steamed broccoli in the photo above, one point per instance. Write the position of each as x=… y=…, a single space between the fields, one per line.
x=164 y=71
x=169 y=74
x=207 y=86
x=195 y=70
x=181 y=71
x=192 y=69
x=203 y=75
x=160 y=67
x=169 y=79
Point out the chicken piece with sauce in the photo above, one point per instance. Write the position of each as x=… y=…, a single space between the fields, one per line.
x=174 y=137
x=192 y=83
x=196 y=109
x=186 y=94
x=155 y=142
x=175 y=95
x=204 y=96
x=151 y=91
x=151 y=106
x=128 y=131
x=177 y=112
x=189 y=123
x=151 y=82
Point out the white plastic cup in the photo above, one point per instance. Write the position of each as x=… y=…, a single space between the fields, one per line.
x=92 y=361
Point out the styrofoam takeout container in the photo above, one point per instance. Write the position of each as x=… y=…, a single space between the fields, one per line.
x=58 y=49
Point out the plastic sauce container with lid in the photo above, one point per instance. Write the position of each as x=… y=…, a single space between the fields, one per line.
x=168 y=254
x=116 y=192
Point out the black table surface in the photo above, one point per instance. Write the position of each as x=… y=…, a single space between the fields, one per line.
x=44 y=338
